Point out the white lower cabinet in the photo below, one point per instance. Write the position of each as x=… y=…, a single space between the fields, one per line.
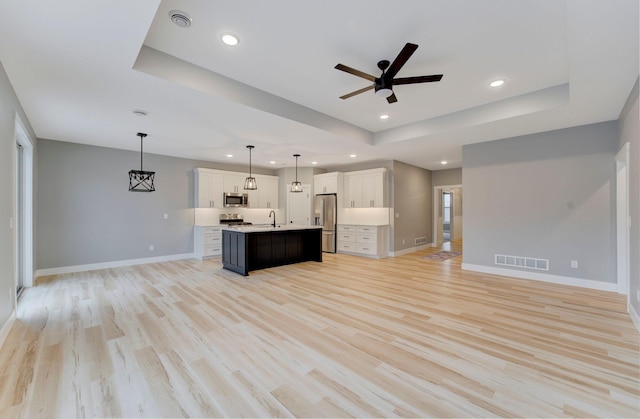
x=207 y=242
x=371 y=241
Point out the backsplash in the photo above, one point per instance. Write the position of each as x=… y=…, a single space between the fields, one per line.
x=211 y=216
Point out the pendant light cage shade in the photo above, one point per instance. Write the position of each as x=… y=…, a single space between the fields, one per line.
x=250 y=183
x=141 y=180
x=296 y=186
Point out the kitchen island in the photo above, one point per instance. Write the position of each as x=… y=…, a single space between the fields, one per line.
x=248 y=248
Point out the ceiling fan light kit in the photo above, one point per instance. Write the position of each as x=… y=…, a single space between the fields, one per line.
x=141 y=180
x=383 y=85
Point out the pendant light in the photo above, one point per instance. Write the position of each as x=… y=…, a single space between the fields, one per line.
x=250 y=183
x=139 y=180
x=296 y=186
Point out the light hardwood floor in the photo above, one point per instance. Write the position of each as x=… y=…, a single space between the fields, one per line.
x=351 y=336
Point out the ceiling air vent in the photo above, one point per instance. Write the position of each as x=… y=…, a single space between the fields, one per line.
x=180 y=18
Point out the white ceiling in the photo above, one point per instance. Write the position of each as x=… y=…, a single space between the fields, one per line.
x=81 y=67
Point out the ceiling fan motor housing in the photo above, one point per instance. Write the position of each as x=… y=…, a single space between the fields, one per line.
x=382 y=83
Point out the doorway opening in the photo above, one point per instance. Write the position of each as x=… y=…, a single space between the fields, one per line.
x=447 y=214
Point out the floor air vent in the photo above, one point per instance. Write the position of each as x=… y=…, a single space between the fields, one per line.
x=421 y=240
x=522 y=262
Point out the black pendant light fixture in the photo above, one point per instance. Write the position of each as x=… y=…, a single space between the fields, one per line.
x=296 y=186
x=140 y=180
x=250 y=183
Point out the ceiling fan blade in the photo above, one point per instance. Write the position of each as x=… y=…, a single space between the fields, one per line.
x=400 y=60
x=355 y=72
x=417 y=79
x=357 y=92
x=392 y=98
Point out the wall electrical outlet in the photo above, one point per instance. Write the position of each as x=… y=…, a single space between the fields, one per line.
x=574 y=264
x=151 y=248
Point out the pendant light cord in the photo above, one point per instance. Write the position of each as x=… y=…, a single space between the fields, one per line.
x=141 y=135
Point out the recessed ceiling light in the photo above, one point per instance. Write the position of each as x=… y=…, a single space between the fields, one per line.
x=229 y=155
x=180 y=18
x=314 y=162
x=443 y=162
x=230 y=39
x=272 y=162
x=384 y=116
x=497 y=83
x=352 y=155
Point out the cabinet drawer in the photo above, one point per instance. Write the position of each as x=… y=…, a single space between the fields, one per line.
x=212 y=250
x=347 y=246
x=366 y=238
x=366 y=248
x=212 y=230
x=347 y=237
x=346 y=228
x=212 y=239
x=367 y=229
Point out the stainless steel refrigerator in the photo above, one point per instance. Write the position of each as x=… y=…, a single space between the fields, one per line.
x=325 y=215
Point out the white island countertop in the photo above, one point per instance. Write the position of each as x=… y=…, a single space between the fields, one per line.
x=258 y=228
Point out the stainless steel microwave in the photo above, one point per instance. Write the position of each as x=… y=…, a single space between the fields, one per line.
x=234 y=199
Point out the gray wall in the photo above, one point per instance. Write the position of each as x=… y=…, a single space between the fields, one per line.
x=87 y=215
x=629 y=131
x=413 y=201
x=447 y=177
x=9 y=106
x=549 y=195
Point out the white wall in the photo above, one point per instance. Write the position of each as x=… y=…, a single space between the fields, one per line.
x=629 y=131
x=9 y=107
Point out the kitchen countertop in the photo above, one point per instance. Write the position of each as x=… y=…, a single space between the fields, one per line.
x=258 y=228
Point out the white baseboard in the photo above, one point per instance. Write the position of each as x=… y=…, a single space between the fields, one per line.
x=634 y=316
x=536 y=276
x=113 y=264
x=4 y=332
x=410 y=250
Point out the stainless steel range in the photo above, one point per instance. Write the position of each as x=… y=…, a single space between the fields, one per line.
x=233 y=219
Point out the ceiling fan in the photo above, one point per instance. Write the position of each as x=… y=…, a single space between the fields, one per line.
x=383 y=85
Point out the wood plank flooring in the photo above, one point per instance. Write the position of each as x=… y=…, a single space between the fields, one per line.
x=349 y=337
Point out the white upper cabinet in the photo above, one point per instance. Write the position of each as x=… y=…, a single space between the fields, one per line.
x=266 y=196
x=326 y=183
x=234 y=182
x=208 y=189
x=365 y=189
x=210 y=186
x=267 y=192
x=353 y=190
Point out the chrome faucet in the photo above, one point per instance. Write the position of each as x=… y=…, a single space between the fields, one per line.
x=274 y=217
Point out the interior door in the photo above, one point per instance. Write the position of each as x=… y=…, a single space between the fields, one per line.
x=299 y=206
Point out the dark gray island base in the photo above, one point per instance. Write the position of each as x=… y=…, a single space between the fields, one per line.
x=247 y=249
